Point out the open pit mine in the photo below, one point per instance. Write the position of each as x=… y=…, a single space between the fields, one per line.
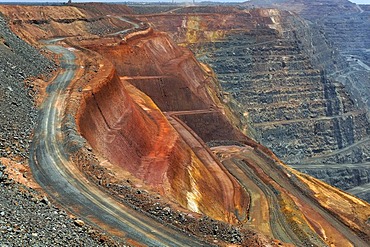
x=171 y=125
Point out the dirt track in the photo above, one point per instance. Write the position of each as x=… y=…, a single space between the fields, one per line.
x=67 y=186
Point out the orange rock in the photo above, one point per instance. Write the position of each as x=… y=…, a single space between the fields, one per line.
x=140 y=139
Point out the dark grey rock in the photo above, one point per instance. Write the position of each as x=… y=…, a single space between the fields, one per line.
x=18 y=61
x=296 y=106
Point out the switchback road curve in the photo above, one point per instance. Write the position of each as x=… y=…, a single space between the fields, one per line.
x=70 y=188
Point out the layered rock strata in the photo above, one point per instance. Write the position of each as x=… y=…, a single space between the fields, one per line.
x=141 y=140
x=346 y=26
x=162 y=142
x=276 y=66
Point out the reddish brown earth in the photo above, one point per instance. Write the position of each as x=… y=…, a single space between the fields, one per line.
x=142 y=141
x=33 y=23
x=191 y=25
x=147 y=108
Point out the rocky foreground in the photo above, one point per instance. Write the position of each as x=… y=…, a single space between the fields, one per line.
x=18 y=61
x=28 y=218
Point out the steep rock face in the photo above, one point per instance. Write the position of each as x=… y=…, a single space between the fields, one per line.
x=210 y=126
x=173 y=80
x=142 y=141
x=275 y=66
x=346 y=26
x=349 y=32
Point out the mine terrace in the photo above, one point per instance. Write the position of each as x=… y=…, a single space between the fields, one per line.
x=185 y=125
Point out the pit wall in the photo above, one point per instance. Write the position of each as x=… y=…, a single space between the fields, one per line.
x=194 y=28
x=128 y=136
x=157 y=55
x=140 y=139
x=33 y=23
x=276 y=68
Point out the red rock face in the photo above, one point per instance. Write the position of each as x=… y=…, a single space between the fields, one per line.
x=128 y=129
x=168 y=74
x=117 y=125
x=139 y=139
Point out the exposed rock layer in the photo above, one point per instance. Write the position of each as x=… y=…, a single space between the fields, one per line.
x=346 y=26
x=142 y=141
x=275 y=65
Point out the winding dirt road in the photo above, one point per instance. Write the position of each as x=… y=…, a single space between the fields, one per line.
x=248 y=166
x=70 y=188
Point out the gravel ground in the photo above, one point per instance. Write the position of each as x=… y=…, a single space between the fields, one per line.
x=27 y=218
x=18 y=61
